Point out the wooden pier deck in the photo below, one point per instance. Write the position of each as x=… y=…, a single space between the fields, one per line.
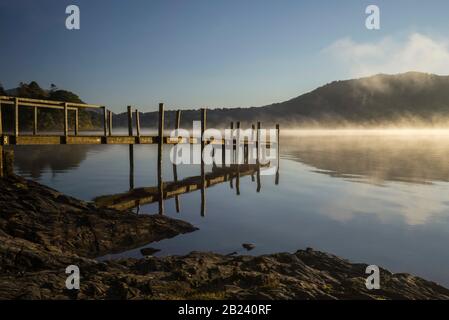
x=163 y=190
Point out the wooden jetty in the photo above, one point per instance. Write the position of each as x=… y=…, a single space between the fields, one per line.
x=69 y=109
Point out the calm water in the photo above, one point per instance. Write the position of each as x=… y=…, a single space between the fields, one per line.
x=377 y=199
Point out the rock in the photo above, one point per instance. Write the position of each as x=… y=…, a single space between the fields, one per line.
x=149 y=251
x=43 y=231
x=248 y=246
x=232 y=253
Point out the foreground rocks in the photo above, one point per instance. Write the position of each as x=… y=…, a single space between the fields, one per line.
x=43 y=231
x=41 y=215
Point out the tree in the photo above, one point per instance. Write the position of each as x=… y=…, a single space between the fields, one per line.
x=2 y=91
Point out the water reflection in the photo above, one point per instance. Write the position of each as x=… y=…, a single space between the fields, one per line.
x=374 y=159
x=33 y=160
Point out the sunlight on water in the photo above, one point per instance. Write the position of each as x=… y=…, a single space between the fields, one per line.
x=373 y=196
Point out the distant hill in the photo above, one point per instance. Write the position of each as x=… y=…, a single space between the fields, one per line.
x=411 y=98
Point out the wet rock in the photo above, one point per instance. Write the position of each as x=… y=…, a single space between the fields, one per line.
x=43 y=231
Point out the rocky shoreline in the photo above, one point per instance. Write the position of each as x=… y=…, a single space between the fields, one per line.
x=43 y=231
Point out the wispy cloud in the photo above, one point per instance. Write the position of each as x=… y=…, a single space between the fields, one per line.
x=417 y=52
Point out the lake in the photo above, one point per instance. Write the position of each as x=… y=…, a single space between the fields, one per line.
x=367 y=196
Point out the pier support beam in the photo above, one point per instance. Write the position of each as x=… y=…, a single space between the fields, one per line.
x=16 y=117
x=203 y=171
x=105 y=121
x=175 y=167
x=160 y=183
x=110 y=122
x=35 y=121
x=77 y=122
x=138 y=125
x=278 y=147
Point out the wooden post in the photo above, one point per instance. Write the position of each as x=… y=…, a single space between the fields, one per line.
x=110 y=122
x=232 y=143
x=257 y=142
x=16 y=117
x=203 y=173
x=66 y=121
x=237 y=148
x=138 y=124
x=257 y=157
x=160 y=183
x=105 y=121
x=77 y=122
x=175 y=167
x=35 y=121
x=131 y=149
x=278 y=146
x=130 y=122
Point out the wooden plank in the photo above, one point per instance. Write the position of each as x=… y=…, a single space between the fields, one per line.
x=36 y=140
x=160 y=183
x=84 y=140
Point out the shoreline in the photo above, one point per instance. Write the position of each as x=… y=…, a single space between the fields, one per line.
x=42 y=231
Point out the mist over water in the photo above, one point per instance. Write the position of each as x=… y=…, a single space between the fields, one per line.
x=373 y=196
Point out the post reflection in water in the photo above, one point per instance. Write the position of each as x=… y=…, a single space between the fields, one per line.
x=137 y=197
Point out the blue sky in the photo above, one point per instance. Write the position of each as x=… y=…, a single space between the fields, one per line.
x=215 y=53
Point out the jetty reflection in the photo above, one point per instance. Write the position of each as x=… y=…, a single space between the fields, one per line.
x=173 y=189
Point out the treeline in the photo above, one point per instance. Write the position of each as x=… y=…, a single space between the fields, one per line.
x=48 y=119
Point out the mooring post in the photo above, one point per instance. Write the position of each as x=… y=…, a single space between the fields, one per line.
x=16 y=117
x=138 y=125
x=160 y=144
x=131 y=149
x=34 y=120
x=66 y=121
x=258 y=142
x=105 y=121
x=237 y=180
x=203 y=172
x=278 y=147
x=110 y=122
x=257 y=156
x=130 y=122
x=175 y=167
